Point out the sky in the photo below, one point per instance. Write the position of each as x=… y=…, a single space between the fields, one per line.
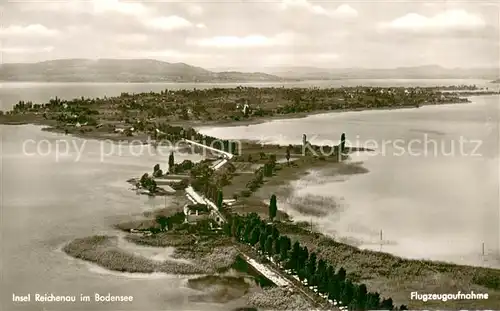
x=255 y=34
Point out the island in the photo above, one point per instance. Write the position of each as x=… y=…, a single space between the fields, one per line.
x=138 y=116
x=226 y=209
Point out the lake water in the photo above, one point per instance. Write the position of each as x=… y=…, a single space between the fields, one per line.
x=440 y=207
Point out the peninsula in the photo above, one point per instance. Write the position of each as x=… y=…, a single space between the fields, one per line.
x=137 y=116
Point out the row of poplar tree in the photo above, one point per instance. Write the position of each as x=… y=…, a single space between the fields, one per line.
x=252 y=230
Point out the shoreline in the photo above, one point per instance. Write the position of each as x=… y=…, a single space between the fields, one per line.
x=301 y=115
x=102 y=248
x=50 y=127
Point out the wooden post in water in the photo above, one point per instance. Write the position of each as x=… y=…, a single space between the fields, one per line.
x=483 y=250
x=165 y=201
x=380 y=239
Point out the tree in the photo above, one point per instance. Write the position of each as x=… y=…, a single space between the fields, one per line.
x=152 y=186
x=280 y=246
x=353 y=305
x=321 y=267
x=157 y=172
x=303 y=256
x=148 y=183
x=277 y=246
x=273 y=207
x=341 y=274
x=170 y=224
x=311 y=264
x=331 y=289
x=322 y=282
x=287 y=155
x=162 y=221
x=361 y=296
x=342 y=142
x=373 y=301
x=348 y=293
x=387 y=304
x=144 y=179
x=201 y=174
x=334 y=288
x=303 y=275
x=220 y=198
x=284 y=247
x=403 y=307
x=177 y=218
x=268 y=170
x=330 y=272
x=272 y=160
x=301 y=272
x=275 y=233
x=294 y=256
x=234 y=227
x=262 y=240
x=171 y=162
x=268 y=246
x=247 y=232
x=239 y=231
x=254 y=239
x=226 y=228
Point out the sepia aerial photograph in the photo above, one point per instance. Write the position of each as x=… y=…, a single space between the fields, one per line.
x=249 y=155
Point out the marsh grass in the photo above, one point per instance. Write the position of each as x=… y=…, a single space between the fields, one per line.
x=397 y=277
x=163 y=239
x=278 y=298
x=219 y=289
x=259 y=206
x=313 y=205
x=104 y=251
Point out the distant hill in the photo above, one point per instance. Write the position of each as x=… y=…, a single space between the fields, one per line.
x=419 y=72
x=117 y=70
x=495 y=81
